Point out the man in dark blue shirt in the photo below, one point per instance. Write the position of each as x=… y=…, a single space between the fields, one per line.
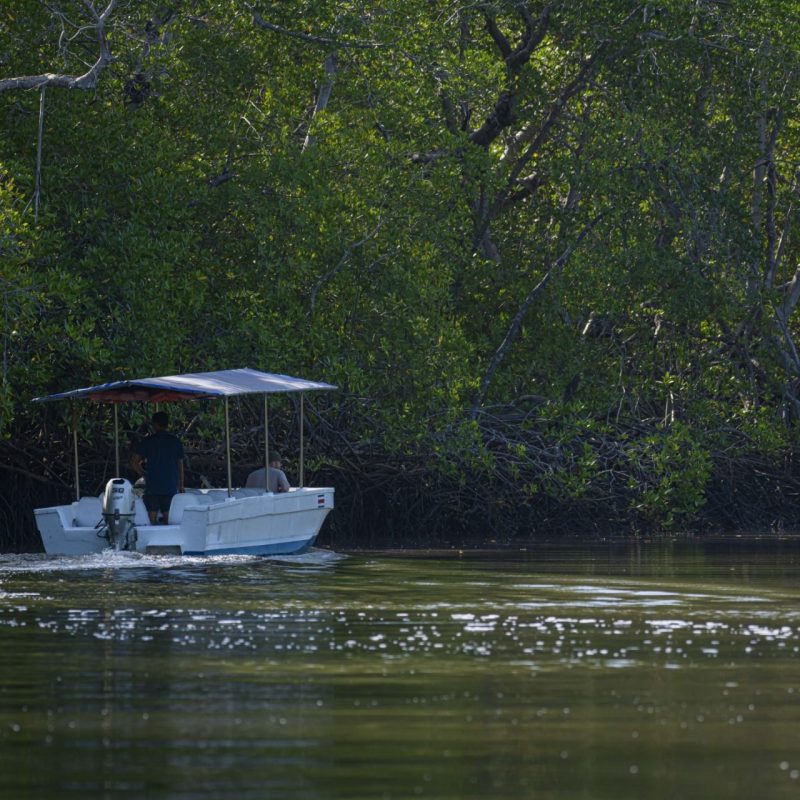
x=159 y=458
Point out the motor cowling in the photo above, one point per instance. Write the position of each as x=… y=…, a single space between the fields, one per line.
x=119 y=508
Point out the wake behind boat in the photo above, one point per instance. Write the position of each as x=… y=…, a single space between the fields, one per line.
x=201 y=521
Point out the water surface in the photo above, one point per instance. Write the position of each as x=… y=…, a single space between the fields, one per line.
x=660 y=670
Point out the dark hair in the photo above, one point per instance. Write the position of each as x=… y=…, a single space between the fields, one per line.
x=160 y=418
x=274 y=455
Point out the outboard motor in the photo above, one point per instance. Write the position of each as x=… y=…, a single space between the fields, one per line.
x=118 y=512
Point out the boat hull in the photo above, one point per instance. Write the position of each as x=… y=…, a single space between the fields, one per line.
x=205 y=523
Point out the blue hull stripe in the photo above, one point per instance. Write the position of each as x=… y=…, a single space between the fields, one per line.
x=280 y=549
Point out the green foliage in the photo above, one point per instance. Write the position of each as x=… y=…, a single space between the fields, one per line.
x=677 y=469
x=197 y=212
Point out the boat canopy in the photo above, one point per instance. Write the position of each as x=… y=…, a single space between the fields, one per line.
x=223 y=384
x=191 y=386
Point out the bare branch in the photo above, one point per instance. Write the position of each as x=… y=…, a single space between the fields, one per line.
x=516 y=324
x=499 y=39
x=503 y=113
x=324 y=95
x=311 y=39
x=771 y=266
x=37 y=192
x=342 y=261
x=537 y=140
x=83 y=82
x=534 y=33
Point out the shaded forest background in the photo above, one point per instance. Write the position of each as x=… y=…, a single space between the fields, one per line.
x=547 y=251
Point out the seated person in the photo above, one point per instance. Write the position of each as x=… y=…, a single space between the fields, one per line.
x=277 y=477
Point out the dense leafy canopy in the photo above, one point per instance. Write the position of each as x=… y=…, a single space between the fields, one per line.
x=544 y=248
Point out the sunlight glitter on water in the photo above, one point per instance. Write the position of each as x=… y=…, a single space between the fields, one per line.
x=487 y=677
x=592 y=641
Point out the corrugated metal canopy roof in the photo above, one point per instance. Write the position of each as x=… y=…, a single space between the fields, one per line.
x=197 y=385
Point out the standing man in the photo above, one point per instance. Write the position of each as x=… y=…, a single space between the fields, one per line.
x=278 y=482
x=159 y=458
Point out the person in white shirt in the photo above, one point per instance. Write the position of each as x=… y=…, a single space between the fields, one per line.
x=278 y=481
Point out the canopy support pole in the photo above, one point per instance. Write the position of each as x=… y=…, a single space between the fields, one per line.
x=74 y=410
x=228 y=447
x=116 y=438
x=301 y=440
x=266 y=444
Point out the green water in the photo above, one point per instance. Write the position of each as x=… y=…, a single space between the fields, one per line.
x=662 y=670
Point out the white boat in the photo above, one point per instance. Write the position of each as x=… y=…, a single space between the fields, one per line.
x=201 y=521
